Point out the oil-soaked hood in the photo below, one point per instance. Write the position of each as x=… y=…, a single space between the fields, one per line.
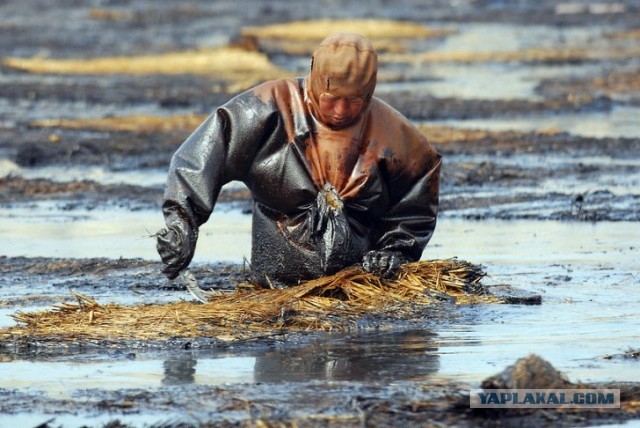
x=345 y=64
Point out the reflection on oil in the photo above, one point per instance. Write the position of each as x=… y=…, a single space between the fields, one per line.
x=378 y=357
x=179 y=369
x=389 y=356
x=375 y=357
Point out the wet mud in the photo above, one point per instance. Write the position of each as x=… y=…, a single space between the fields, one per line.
x=569 y=153
x=462 y=174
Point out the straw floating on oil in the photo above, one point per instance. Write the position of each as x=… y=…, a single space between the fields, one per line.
x=329 y=303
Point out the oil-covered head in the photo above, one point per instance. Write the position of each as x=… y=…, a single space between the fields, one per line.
x=342 y=78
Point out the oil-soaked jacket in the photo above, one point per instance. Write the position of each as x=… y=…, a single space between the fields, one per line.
x=322 y=198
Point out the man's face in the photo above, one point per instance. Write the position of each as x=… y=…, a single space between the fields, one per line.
x=337 y=111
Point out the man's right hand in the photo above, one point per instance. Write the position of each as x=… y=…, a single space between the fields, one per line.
x=176 y=245
x=385 y=264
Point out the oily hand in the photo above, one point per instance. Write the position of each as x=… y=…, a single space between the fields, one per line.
x=175 y=248
x=383 y=263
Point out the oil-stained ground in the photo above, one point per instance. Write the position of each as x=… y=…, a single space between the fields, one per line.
x=118 y=85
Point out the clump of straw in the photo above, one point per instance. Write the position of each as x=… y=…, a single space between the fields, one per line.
x=327 y=303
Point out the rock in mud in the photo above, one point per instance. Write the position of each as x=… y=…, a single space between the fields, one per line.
x=531 y=372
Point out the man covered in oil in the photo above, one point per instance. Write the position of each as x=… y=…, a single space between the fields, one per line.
x=338 y=177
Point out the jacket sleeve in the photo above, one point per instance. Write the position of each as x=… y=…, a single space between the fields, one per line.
x=409 y=223
x=220 y=150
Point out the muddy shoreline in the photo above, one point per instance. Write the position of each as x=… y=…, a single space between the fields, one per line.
x=535 y=107
x=343 y=405
x=473 y=163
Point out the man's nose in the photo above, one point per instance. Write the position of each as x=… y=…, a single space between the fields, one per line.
x=340 y=107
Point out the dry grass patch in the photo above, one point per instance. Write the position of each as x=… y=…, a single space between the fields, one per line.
x=100 y=14
x=629 y=34
x=327 y=303
x=526 y=56
x=239 y=66
x=316 y=30
x=438 y=134
x=302 y=37
x=143 y=124
x=619 y=82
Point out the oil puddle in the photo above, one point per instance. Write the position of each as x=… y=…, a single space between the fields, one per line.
x=489 y=38
x=374 y=357
x=42 y=230
x=477 y=80
x=619 y=176
x=5 y=316
x=583 y=271
x=620 y=122
x=471 y=82
x=152 y=177
x=19 y=111
x=61 y=379
x=369 y=357
x=36 y=419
